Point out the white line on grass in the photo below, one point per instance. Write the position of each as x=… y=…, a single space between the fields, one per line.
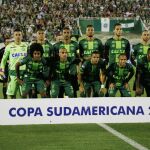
x=123 y=137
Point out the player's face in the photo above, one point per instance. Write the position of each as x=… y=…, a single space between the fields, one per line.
x=95 y=58
x=66 y=34
x=40 y=35
x=17 y=36
x=90 y=31
x=36 y=55
x=63 y=54
x=145 y=36
x=118 y=30
x=122 y=60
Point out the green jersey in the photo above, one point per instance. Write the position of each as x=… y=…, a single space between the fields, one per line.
x=62 y=70
x=35 y=70
x=143 y=68
x=120 y=75
x=86 y=47
x=15 y=53
x=91 y=72
x=48 y=50
x=140 y=51
x=72 y=49
x=113 y=48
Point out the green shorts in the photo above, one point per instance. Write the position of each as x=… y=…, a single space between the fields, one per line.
x=28 y=85
x=12 y=86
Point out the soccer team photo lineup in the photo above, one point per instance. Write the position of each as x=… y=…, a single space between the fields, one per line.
x=78 y=58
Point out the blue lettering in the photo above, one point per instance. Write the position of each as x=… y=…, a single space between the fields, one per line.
x=130 y=110
x=76 y=111
x=67 y=111
x=21 y=112
x=85 y=111
x=121 y=110
x=94 y=110
x=12 y=112
x=50 y=111
x=56 y=111
x=38 y=112
x=101 y=110
x=140 y=111
x=112 y=110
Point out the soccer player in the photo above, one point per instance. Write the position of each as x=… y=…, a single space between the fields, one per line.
x=90 y=44
x=116 y=46
x=72 y=52
x=15 y=51
x=48 y=54
x=143 y=75
x=92 y=76
x=61 y=75
x=119 y=75
x=5 y=79
x=140 y=51
x=35 y=73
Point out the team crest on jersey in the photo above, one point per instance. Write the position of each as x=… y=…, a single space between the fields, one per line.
x=113 y=45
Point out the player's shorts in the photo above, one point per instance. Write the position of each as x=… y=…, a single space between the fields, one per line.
x=12 y=86
x=28 y=85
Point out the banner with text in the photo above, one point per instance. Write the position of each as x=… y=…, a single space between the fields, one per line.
x=74 y=110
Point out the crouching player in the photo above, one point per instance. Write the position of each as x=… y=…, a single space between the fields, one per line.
x=92 y=76
x=35 y=73
x=143 y=75
x=61 y=74
x=119 y=75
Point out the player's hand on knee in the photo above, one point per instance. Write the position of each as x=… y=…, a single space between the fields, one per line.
x=81 y=89
x=126 y=85
x=47 y=83
x=138 y=91
x=112 y=85
x=20 y=81
x=2 y=74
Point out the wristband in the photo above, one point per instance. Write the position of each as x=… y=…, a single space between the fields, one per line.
x=102 y=86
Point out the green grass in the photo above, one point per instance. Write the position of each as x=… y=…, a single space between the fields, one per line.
x=70 y=137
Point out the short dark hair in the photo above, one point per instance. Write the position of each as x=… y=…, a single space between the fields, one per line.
x=36 y=47
x=40 y=29
x=122 y=54
x=95 y=52
x=66 y=28
x=17 y=30
x=89 y=26
x=117 y=24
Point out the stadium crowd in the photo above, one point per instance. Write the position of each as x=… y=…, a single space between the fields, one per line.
x=54 y=15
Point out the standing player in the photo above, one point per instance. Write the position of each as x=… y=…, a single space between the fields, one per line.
x=116 y=46
x=92 y=76
x=35 y=73
x=119 y=75
x=140 y=51
x=72 y=51
x=4 y=79
x=143 y=75
x=90 y=44
x=15 y=51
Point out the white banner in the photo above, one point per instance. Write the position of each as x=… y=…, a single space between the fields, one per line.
x=80 y=110
x=127 y=25
x=105 y=24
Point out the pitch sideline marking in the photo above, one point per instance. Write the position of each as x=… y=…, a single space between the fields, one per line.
x=123 y=137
